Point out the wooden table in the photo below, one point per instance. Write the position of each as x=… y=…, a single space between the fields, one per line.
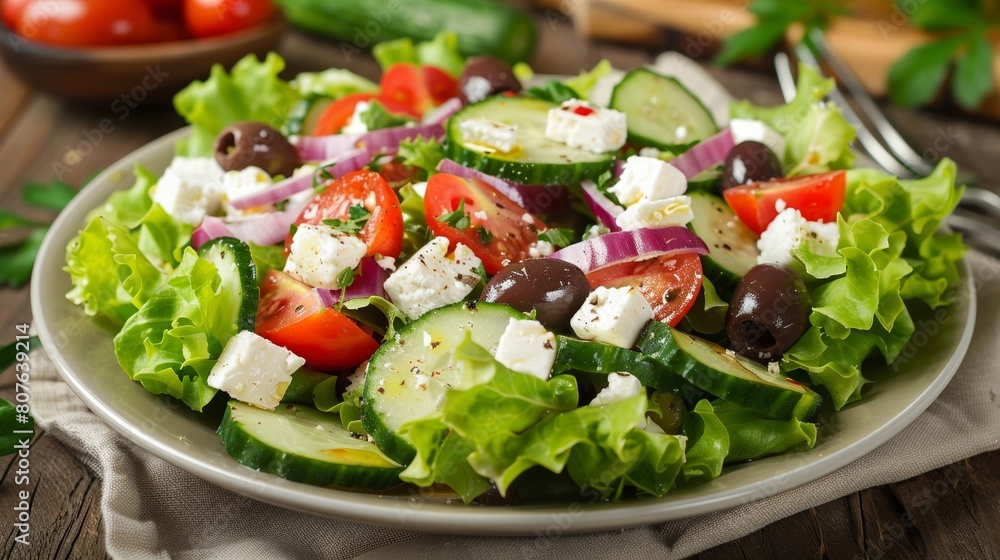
x=40 y=135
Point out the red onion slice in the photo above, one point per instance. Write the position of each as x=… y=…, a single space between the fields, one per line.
x=334 y=146
x=598 y=252
x=604 y=210
x=710 y=151
x=261 y=229
x=368 y=281
x=537 y=199
x=210 y=228
x=443 y=112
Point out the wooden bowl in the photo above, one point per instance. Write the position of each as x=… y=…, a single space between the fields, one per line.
x=130 y=73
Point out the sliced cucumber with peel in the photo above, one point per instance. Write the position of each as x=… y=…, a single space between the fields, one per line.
x=537 y=160
x=728 y=376
x=732 y=247
x=408 y=377
x=232 y=259
x=303 y=444
x=661 y=112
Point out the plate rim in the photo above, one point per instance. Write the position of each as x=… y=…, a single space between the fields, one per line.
x=449 y=518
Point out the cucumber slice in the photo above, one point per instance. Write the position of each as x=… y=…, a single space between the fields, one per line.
x=728 y=376
x=661 y=112
x=537 y=160
x=239 y=276
x=598 y=357
x=305 y=114
x=302 y=444
x=393 y=395
x=732 y=247
x=708 y=181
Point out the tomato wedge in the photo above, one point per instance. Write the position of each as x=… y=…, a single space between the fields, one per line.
x=382 y=233
x=416 y=88
x=497 y=233
x=290 y=314
x=670 y=283
x=817 y=197
x=339 y=113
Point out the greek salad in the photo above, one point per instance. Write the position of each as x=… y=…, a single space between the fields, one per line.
x=615 y=284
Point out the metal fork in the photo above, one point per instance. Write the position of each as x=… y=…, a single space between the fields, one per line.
x=895 y=156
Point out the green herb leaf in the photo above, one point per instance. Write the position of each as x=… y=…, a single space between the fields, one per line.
x=915 y=79
x=943 y=15
x=16 y=260
x=423 y=153
x=10 y=220
x=8 y=353
x=346 y=277
x=484 y=234
x=358 y=217
x=973 y=78
x=376 y=116
x=54 y=196
x=752 y=42
x=560 y=237
x=459 y=219
x=554 y=91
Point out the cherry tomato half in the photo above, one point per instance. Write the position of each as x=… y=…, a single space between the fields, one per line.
x=84 y=22
x=208 y=18
x=415 y=89
x=382 y=233
x=497 y=233
x=290 y=314
x=670 y=283
x=817 y=197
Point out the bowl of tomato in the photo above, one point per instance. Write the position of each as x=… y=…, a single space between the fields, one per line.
x=132 y=50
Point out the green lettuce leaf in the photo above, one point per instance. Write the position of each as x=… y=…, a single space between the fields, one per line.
x=441 y=52
x=817 y=136
x=376 y=116
x=423 y=153
x=266 y=257
x=251 y=92
x=753 y=435
x=128 y=207
x=707 y=445
x=334 y=83
x=171 y=343
x=585 y=81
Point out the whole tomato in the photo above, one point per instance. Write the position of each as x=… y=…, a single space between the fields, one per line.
x=12 y=10
x=85 y=22
x=207 y=18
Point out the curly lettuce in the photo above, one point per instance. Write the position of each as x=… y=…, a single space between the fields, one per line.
x=753 y=435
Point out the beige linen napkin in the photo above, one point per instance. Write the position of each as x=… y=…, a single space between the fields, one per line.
x=152 y=509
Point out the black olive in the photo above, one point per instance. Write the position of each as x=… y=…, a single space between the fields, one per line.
x=247 y=144
x=768 y=313
x=555 y=289
x=484 y=76
x=672 y=411
x=748 y=162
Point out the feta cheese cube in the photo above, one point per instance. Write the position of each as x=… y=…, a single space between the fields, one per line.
x=789 y=231
x=429 y=279
x=673 y=211
x=319 y=254
x=749 y=129
x=612 y=315
x=356 y=125
x=579 y=124
x=254 y=370
x=245 y=182
x=621 y=386
x=190 y=188
x=647 y=178
x=541 y=249
x=526 y=347
x=490 y=134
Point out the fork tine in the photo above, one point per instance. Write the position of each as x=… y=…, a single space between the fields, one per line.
x=896 y=144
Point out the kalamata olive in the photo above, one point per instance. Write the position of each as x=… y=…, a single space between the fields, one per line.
x=750 y=161
x=768 y=313
x=484 y=76
x=246 y=144
x=555 y=289
x=671 y=417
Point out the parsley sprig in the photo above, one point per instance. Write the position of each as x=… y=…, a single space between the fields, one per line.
x=560 y=237
x=459 y=219
x=358 y=216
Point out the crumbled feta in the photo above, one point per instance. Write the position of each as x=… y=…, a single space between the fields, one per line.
x=356 y=125
x=789 y=231
x=480 y=215
x=527 y=218
x=526 y=347
x=621 y=386
x=254 y=370
x=490 y=134
x=649 y=152
x=245 y=182
x=646 y=178
x=320 y=254
x=673 y=211
x=612 y=315
x=385 y=262
x=541 y=249
x=190 y=188
x=579 y=124
x=774 y=368
x=595 y=230
x=357 y=379
x=749 y=129
x=429 y=279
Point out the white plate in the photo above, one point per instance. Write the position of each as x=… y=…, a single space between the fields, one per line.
x=84 y=356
